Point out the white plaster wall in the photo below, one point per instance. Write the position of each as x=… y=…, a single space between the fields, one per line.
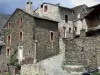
x=85 y=25
x=80 y=25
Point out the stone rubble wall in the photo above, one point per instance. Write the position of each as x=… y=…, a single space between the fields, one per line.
x=83 y=51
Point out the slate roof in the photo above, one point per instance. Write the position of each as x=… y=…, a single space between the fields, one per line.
x=35 y=15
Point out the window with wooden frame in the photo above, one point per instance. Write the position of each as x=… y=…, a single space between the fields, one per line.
x=45 y=8
x=9 y=26
x=51 y=35
x=9 y=39
x=20 y=22
x=21 y=36
x=8 y=52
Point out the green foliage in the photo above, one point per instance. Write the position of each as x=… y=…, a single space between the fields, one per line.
x=8 y=73
x=95 y=73
x=13 y=58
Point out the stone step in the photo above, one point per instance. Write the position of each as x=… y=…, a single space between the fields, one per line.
x=74 y=69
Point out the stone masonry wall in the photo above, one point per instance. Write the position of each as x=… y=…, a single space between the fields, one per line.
x=82 y=51
x=46 y=47
x=52 y=12
x=16 y=28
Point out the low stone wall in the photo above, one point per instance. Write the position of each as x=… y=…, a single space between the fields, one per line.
x=83 y=51
x=32 y=69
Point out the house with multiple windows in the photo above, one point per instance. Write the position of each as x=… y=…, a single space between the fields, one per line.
x=30 y=37
x=33 y=36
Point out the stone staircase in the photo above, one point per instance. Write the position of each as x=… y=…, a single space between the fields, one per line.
x=74 y=69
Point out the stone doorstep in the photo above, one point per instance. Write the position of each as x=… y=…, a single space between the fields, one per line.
x=74 y=68
x=76 y=73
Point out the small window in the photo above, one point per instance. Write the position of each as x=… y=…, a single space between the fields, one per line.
x=66 y=18
x=8 y=69
x=41 y=6
x=9 y=39
x=51 y=35
x=75 y=28
x=69 y=30
x=0 y=49
x=45 y=9
x=9 y=26
x=82 y=49
x=20 y=36
x=8 y=52
x=20 y=21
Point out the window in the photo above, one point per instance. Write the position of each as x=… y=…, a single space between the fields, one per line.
x=82 y=49
x=8 y=52
x=20 y=21
x=51 y=35
x=9 y=39
x=8 y=69
x=41 y=6
x=20 y=36
x=75 y=28
x=45 y=9
x=69 y=30
x=9 y=26
x=66 y=18
x=16 y=71
x=0 y=49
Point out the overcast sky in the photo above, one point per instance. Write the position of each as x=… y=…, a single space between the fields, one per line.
x=9 y=6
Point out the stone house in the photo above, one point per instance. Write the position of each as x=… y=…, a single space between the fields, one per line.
x=80 y=50
x=56 y=12
x=34 y=35
x=33 y=38
x=82 y=53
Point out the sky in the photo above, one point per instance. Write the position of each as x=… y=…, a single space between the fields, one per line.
x=9 y=6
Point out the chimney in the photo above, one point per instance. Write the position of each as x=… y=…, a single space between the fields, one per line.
x=41 y=10
x=29 y=7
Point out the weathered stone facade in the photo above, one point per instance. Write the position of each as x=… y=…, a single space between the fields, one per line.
x=35 y=30
x=83 y=51
x=80 y=51
x=80 y=54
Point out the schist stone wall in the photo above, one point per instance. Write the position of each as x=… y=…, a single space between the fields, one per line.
x=45 y=46
x=26 y=27
x=3 y=62
x=58 y=13
x=83 y=51
x=52 y=11
x=33 y=29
